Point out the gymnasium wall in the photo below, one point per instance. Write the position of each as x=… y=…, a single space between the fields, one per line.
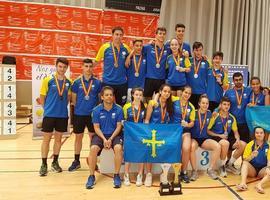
x=39 y=33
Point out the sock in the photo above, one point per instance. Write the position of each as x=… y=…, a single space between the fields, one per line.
x=77 y=157
x=223 y=162
x=184 y=172
x=232 y=160
x=55 y=158
x=44 y=161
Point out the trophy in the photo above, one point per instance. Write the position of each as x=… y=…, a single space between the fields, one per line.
x=164 y=188
x=176 y=187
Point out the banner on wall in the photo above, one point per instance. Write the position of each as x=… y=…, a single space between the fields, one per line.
x=39 y=72
x=39 y=33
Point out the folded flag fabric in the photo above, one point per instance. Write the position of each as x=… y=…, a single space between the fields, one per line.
x=152 y=143
x=258 y=116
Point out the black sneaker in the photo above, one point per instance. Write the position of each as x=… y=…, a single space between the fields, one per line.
x=184 y=177
x=74 y=166
x=55 y=167
x=43 y=170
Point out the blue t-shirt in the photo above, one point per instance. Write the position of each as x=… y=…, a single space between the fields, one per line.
x=54 y=106
x=214 y=90
x=196 y=132
x=156 y=115
x=185 y=47
x=175 y=78
x=151 y=70
x=107 y=120
x=239 y=113
x=134 y=81
x=111 y=74
x=84 y=107
x=129 y=115
x=218 y=123
x=259 y=99
x=198 y=84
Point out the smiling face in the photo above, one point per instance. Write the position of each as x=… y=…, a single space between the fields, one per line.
x=165 y=93
x=174 y=45
x=107 y=96
x=238 y=81
x=138 y=96
x=204 y=103
x=186 y=94
x=217 y=60
x=160 y=36
x=256 y=85
x=117 y=36
x=259 y=134
x=180 y=32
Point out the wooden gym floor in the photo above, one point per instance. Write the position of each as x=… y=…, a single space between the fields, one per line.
x=19 y=179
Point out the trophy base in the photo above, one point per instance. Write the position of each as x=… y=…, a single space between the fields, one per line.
x=176 y=188
x=164 y=189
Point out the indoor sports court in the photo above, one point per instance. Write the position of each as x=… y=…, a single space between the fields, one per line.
x=134 y=99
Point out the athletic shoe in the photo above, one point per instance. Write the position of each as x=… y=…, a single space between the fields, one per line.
x=126 y=180
x=139 y=181
x=74 y=166
x=184 y=177
x=233 y=169
x=55 y=167
x=43 y=170
x=90 y=182
x=223 y=172
x=148 y=180
x=194 y=175
x=212 y=174
x=116 y=181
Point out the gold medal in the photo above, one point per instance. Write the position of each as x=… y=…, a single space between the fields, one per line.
x=115 y=57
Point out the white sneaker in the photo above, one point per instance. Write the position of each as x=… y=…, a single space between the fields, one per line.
x=126 y=180
x=223 y=172
x=148 y=180
x=139 y=180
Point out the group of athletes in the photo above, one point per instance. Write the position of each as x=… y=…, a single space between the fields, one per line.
x=158 y=82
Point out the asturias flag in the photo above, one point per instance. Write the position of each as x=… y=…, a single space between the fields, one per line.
x=258 y=116
x=152 y=143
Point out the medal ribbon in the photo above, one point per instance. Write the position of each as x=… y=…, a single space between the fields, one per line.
x=116 y=57
x=196 y=67
x=136 y=118
x=225 y=127
x=86 y=92
x=163 y=113
x=239 y=99
x=158 y=57
x=137 y=65
x=200 y=120
x=60 y=92
x=184 y=112
x=254 y=99
x=177 y=60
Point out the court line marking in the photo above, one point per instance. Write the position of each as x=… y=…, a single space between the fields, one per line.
x=230 y=189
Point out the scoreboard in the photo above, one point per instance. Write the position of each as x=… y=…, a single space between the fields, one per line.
x=7 y=100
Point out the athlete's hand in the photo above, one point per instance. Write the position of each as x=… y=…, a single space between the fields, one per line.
x=185 y=54
x=223 y=136
x=266 y=91
x=184 y=123
x=267 y=171
x=250 y=104
x=187 y=70
x=254 y=154
x=128 y=59
x=236 y=144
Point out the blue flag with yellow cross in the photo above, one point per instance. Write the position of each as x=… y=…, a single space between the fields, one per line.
x=152 y=143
